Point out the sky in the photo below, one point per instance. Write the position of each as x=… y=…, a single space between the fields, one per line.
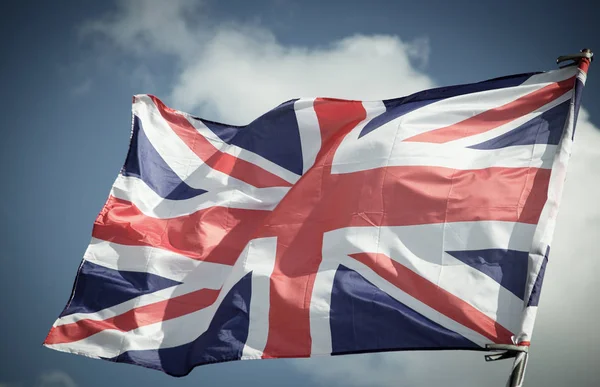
x=69 y=69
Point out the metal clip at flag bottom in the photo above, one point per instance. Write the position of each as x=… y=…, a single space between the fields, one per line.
x=520 y=351
x=509 y=351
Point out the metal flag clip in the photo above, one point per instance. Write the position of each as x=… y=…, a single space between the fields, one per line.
x=506 y=351
x=585 y=53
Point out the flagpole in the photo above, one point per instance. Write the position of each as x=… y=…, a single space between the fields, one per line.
x=517 y=375
x=507 y=351
x=520 y=351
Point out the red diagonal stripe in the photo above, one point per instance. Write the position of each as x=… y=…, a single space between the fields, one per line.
x=494 y=118
x=435 y=297
x=215 y=234
x=213 y=157
x=135 y=318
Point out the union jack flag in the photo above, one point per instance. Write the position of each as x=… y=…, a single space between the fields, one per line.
x=327 y=227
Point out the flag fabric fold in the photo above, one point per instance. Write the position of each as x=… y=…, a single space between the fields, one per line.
x=327 y=227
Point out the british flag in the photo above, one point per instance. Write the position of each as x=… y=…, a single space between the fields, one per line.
x=327 y=227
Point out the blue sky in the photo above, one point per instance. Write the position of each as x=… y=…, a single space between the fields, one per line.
x=69 y=71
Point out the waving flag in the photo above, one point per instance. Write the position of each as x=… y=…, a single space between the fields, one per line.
x=327 y=227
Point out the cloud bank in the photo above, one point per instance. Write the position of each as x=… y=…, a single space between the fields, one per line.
x=55 y=379
x=234 y=73
x=237 y=72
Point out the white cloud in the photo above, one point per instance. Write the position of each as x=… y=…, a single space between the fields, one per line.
x=248 y=72
x=55 y=379
x=147 y=27
x=237 y=72
x=82 y=87
x=404 y=369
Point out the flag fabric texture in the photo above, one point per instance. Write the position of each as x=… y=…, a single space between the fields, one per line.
x=327 y=227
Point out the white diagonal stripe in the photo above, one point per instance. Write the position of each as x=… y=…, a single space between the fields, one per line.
x=241 y=153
